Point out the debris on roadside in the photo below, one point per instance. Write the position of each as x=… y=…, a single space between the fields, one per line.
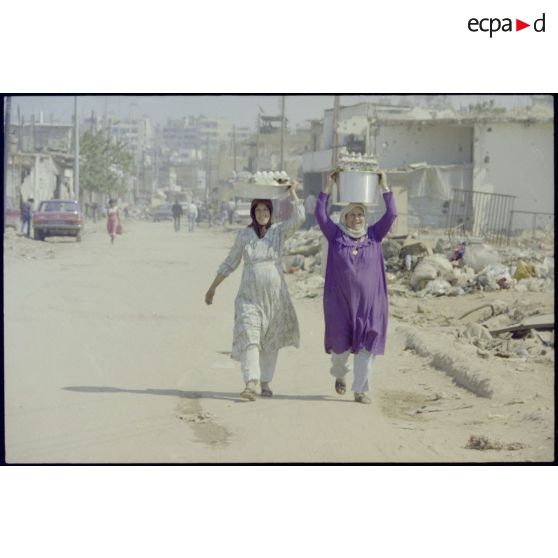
x=483 y=443
x=421 y=267
x=479 y=256
x=198 y=418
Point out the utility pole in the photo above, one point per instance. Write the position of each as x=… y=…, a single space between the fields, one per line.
x=207 y=169
x=105 y=119
x=257 y=145
x=282 y=132
x=6 y=156
x=76 y=149
x=156 y=182
x=234 y=148
x=335 y=138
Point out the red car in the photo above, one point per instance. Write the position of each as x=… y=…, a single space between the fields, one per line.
x=57 y=218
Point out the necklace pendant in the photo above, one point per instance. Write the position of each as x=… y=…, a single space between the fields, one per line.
x=355 y=252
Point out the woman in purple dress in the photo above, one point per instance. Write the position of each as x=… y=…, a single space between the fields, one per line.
x=355 y=292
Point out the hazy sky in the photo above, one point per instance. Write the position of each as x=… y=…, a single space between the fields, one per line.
x=240 y=110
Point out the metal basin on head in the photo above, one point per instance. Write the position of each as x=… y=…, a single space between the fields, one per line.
x=358 y=186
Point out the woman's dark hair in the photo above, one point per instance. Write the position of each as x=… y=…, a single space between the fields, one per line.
x=260 y=229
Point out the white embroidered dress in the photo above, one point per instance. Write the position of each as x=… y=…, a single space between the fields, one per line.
x=263 y=312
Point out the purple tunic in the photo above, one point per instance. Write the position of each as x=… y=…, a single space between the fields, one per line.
x=355 y=292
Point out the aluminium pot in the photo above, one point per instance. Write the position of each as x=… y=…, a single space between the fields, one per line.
x=358 y=186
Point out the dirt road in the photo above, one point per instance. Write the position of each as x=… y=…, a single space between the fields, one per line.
x=111 y=356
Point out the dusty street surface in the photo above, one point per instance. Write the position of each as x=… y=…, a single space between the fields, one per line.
x=111 y=356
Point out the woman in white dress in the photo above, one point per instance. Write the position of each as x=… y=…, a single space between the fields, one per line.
x=265 y=319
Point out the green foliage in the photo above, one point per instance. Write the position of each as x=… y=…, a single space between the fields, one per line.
x=105 y=166
x=486 y=106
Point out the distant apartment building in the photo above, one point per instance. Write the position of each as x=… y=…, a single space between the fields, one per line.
x=136 y=133
x=38 y=136
x=194 y=134
x=180 y=135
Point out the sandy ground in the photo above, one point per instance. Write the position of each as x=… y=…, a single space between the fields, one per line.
x=111 y=356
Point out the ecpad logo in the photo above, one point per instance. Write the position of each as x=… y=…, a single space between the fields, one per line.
x=493 y=25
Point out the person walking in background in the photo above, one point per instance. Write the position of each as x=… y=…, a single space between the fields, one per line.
x=210 y=215
x=231 y=206
x=310 y=208
x=265 y=319
x=192 y=216
x=355 y=292
x=26 y=214
x=113 y=220
x=176 y=214
x=94 y=211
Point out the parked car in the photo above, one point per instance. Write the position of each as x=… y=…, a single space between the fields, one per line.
x=57 y=218
x=162 y=213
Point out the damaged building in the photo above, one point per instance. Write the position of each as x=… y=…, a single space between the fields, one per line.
x=485 y=170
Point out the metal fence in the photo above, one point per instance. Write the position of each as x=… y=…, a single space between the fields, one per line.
x=480 y=214
x=532 y=221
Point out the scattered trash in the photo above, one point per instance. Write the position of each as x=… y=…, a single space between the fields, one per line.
x=408 y=262
x=457 y=256
x=415 y=269
x=477 y=333
x=483 y=443
x=438 y=287
x=391 y=249
x=524 y=270
x=198 y=418
x=415 y=249
x=478 y=256
x=494 y=277
x=533 y=285
x=544 y=322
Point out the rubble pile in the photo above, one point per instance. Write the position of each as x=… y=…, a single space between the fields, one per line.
x=302 y=256
x=516 y=330
x=456 y=270
x=422 y=268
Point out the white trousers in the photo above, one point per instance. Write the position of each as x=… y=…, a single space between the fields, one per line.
x=362 y=368
x=258 y=365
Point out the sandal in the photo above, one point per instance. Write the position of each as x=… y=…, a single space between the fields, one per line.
x=361 y=398
x=340 y=386
x=266 y=391
x=249 y=392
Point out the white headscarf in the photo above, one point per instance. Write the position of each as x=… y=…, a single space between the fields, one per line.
x=353 y=233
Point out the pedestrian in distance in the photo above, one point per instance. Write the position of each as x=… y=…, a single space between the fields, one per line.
x=231 y=206
x=355 y=293
x=192 y=216
x=94 y=210
x=114 y=226
x=176 y=214
x=26 y=215
x=210 y=216
x=265 y=318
